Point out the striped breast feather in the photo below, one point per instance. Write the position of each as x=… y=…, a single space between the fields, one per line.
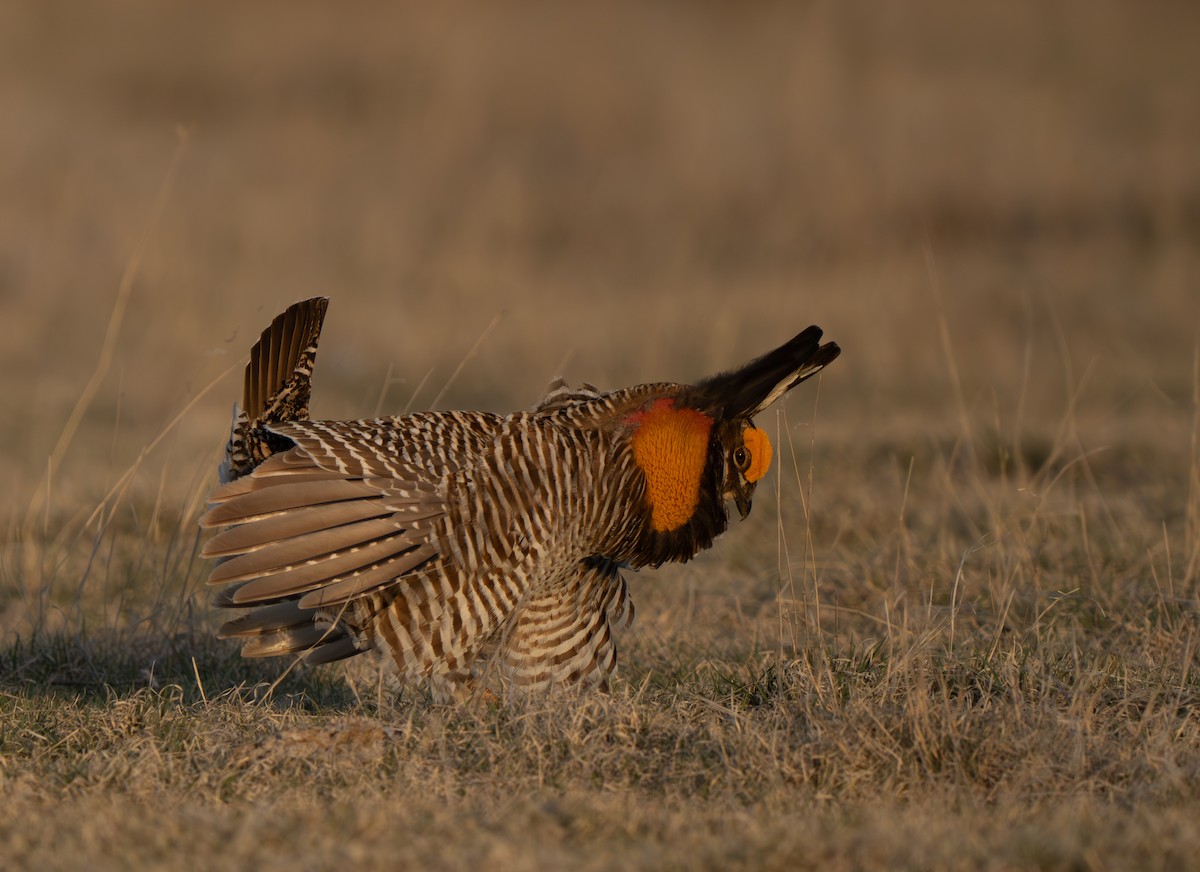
x=564 y=635
x=293 y=529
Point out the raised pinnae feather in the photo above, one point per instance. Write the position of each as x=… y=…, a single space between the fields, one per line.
x=747 y=390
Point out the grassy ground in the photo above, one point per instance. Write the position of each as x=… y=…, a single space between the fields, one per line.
x=960 y=628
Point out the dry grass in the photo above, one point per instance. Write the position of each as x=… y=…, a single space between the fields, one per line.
x=960 y=629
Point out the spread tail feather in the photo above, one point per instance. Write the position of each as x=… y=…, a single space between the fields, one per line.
x=279 y=375
x=278 y=384
x=746 y=391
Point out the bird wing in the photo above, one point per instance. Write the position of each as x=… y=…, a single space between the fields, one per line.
x=323 y=522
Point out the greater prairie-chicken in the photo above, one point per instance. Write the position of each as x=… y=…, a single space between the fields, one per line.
x=467 y=545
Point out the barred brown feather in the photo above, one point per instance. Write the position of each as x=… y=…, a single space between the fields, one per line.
x=466 y=545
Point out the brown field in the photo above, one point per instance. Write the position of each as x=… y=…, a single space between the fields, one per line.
x=960 y=629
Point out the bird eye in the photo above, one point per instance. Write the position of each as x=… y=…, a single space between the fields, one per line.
x=741 y=458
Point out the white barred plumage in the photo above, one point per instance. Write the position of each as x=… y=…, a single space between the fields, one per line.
x=466 y=546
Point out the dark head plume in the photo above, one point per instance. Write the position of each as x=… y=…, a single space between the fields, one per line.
x=746 y=391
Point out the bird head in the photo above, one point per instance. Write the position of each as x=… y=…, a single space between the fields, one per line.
x=732 y=399
x=745 y=459
x=698 y=447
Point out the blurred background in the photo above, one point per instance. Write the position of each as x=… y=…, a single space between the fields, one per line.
x=994 y=209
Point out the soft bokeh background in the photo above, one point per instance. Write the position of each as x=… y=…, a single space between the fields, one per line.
x=642 y=191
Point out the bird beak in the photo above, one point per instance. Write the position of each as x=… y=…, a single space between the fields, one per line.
x=743 y=504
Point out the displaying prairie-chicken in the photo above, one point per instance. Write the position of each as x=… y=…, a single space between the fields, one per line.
x=467 y=546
